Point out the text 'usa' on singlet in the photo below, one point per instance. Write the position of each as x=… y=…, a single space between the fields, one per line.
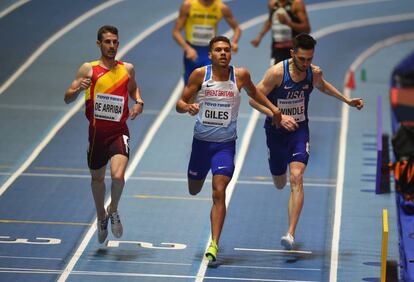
x=282 y=32
x=219 y=107
x=201 y=23
x=106 y=100
x=292 y=97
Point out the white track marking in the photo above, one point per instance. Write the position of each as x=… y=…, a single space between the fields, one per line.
x=53 y=39
x=342 y=149
x=12 y=7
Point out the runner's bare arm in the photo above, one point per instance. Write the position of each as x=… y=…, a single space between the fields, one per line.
x=179 y=25
x=185 y=103
x=232 y=22
x=266 y=25
x=328 y=89
x=134 y=92
x=272 y=78
x=299 y=9
x=81 y=83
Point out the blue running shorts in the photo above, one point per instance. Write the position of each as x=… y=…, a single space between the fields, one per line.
x=219 y=157
x=285 y=147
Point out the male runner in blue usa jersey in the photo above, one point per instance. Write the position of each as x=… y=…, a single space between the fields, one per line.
x=288 y=85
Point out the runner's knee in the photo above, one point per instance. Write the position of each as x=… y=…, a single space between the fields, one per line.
x=219 y=195
x=296 y=177
x=279 y=181
x=194 y=186
x=97 y=179
x=118 y=179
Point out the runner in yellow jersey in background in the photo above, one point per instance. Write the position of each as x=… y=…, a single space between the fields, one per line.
x=199 y=19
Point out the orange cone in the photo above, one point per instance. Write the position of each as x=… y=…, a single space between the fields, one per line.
x=350 y=80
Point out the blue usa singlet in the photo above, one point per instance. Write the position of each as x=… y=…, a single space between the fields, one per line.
x=292 y=97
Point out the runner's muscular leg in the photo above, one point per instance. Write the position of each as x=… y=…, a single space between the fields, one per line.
x=296 y=198
x=98 y=190
x=119 y=164
x=218 y=210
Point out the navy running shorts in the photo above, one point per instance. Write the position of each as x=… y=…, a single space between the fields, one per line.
x=285 y=147
x=219 y=157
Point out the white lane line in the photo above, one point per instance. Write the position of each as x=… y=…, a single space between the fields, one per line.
x=129 y=274
x=12 y=7
x=52 y=40
x=339 y=4
x=142 y=148
x=146 y=33
x=342 y=148
x=362 y=23
x=270 y=267
x=378 y=46
x=221 y=265
x=34 y=258
x=75 y=108
x=28 y=270
x=274 y=251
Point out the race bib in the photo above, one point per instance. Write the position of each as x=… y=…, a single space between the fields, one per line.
x=216 y=114
x=108 y=107
x=202 y=34
x=293 y=107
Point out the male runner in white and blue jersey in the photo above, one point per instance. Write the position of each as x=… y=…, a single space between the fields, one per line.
x=288 y=85
x=216 y=91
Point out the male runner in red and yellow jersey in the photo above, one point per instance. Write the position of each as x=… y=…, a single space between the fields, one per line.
x=199 y=19
x=107 y=82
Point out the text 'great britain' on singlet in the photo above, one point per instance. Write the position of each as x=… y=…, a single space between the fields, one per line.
x=201 y=23
x=106 y=100
x=292 y=97
x=219 y=107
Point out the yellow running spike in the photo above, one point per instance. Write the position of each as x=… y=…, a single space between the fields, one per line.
x=211 y=253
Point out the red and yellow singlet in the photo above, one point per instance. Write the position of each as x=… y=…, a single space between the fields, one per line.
x=106 y=100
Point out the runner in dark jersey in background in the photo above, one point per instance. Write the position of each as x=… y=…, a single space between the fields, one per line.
x=287 y=18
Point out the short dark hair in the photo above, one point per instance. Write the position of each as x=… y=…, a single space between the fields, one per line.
x=105 y=29
x=304 y=41
x=217 y=39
